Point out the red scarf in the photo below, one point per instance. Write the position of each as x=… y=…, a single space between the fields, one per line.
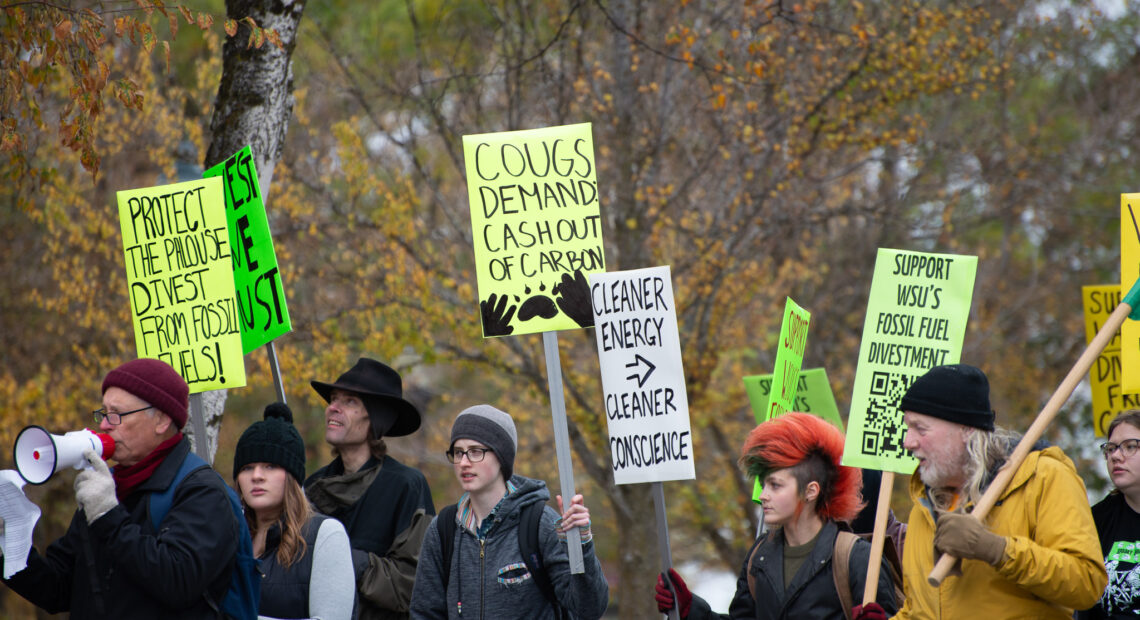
x=128 y=478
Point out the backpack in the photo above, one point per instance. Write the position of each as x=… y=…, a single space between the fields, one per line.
x=841 y=570
x=529 y=518
x=243 y=596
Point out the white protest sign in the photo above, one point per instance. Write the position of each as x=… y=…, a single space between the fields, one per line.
x=647 y=407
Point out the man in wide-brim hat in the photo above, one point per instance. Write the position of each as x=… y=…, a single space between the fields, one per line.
x=384 y=505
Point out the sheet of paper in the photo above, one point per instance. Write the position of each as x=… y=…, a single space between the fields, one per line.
x=20 y=516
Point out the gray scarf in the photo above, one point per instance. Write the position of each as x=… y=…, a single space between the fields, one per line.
x=332 y=493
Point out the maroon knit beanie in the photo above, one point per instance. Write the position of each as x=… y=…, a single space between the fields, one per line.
x=155 y=382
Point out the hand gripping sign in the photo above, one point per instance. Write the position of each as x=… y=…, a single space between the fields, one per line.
x=537 y=234
x=643 y=384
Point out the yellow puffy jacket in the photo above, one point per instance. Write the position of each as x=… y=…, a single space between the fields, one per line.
x=1052 y=562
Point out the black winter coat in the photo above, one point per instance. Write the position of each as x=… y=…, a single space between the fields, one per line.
x=812 y=590
x=118 y=567
x=386 y=518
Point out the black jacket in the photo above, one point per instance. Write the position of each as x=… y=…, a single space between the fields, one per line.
x=118 y=567
x=812 y=590
x=386 y=508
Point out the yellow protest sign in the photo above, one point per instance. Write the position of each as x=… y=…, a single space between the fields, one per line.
x=180 y=281
x=1129 y=271
x=1104 y=376
x=536 y=227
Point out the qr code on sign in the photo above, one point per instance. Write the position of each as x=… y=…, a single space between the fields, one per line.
x=883 y=427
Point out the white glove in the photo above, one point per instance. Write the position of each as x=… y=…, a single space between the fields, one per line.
x=95 y=488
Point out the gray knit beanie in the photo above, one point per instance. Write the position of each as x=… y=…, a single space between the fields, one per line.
x=492 y=428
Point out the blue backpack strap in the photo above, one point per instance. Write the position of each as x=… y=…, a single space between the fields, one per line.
x=242 y=598
x=160 y=503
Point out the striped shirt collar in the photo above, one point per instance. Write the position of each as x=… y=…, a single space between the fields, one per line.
x=467 y=517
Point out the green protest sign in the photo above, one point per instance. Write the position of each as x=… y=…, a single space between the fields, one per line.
x=180 y=281
x=916 y=319
x=260 y=294
x=789 y=359
x=536 y=227
x=813 y=395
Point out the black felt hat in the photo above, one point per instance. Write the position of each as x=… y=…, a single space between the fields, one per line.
x=273 y=440
x=382 y=391
x=959 y=393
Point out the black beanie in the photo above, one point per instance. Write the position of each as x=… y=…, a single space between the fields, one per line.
x=273 y=440
x=492 y=428
x=958 y=393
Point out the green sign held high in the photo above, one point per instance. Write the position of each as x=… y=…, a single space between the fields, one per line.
x=260 y=294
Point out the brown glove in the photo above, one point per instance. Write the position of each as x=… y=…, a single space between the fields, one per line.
x=963 y=536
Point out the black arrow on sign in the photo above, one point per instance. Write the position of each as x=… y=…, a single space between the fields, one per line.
x=641 y=379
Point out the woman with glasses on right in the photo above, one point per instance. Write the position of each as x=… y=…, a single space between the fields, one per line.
x=472 y=563
x=1117 y=519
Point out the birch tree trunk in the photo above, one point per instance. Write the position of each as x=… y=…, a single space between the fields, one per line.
x=253 y=106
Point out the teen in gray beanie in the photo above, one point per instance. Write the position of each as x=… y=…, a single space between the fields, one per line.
x=485 y=540
x=492 y=428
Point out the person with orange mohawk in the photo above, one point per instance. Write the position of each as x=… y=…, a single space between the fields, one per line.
x=808 y=497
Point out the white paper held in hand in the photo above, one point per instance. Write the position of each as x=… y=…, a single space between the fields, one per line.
x=20 y=516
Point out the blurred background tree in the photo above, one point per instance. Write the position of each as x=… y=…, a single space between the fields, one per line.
x=762 y=149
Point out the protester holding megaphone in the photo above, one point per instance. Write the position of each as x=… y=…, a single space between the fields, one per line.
x=113 y=562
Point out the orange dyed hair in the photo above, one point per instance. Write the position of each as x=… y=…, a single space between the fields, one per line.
x=811 y=448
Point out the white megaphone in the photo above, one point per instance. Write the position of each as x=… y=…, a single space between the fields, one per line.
x=39 y=454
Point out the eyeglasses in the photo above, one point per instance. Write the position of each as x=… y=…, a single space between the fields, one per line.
x=114 y=418
x=473 y=454
x=1128 y=447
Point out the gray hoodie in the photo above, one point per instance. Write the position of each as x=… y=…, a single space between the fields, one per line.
x=498 y=585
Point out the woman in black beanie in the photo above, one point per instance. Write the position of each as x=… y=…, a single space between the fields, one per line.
x=306 y=561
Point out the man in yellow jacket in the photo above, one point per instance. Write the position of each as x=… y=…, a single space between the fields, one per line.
x=1036 y=555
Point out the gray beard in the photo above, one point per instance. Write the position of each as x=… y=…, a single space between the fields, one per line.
x=940 y=475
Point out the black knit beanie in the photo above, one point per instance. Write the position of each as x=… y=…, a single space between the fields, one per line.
x=492 y=428
x=273 y=440
x=958 y=393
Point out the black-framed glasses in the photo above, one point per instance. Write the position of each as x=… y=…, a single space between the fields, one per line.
x=114 y=418
x=473 y=454
x=1128 y=447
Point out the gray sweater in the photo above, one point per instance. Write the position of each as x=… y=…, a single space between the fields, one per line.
x=498 y=585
